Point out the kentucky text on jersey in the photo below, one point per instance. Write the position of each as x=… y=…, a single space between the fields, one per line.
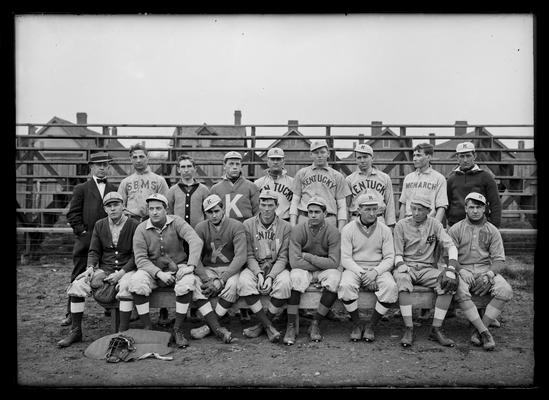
x=283 y=189
x=265 y=235
x=422 y=185
x=141 y=184
x=320 y=179
x=368 y=184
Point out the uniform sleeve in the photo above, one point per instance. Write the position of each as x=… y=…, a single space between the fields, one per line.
x=441 y=198
x=163 y=189
x=122 y=192
x=398 y=239
x=76 y=207
x=171 y=201
x=95 y=251
x=492 y=195
x=296 y=189
x=254 y=199
x=140 y=252
x=187 y=233
x=446 y=241
x=388 y=252
x=342 y=187
x=130 y=264
x=199 y=269
x=334 y=251
x=282 y=259
x=240 y=253
x=253 y=265
x=497 y=251
x=296 y=252
x=389 y=198
x=347 y=260
x=404 y=193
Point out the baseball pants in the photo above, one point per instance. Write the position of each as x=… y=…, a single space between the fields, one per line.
x=350 y=284
x=142 y=283
x=500 y=289
x=281 y=289
x=422 y=276
x=83 y=288
x=328 y=279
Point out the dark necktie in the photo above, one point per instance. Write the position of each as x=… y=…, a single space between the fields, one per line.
x=101 y=180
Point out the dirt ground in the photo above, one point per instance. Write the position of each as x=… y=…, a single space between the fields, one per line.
x=334 y=362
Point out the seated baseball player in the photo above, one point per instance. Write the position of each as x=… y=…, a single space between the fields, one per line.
x=481 y=257
x=217 y=273
x=415 y=239
x=314 y=258
x=110 y=260
x=156 y=239
x=267 y=272
x=367 y=258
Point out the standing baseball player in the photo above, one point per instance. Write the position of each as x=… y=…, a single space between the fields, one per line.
x=424 y=182
x=223 y=257
x=314 y=258
x=267 y=272
x=481 y=258
x=467 y=178
x=367 y=179
x=239 y=195
x=136 y=188
x=320 y=180
x=367 y=258
x=110 y=261
x=162 y=262
x=85 y=208
x=277 y=180
x=415 y=239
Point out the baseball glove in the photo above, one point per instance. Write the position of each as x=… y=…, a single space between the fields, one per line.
x=482 y=285
x=448 y=280
x=211 y=288
x=105 y=294
x=166 y=263
x=119 y=348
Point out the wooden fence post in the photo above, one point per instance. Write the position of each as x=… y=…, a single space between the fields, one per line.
x=251 y=165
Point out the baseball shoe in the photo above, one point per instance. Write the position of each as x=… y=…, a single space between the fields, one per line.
x=280 y=317
x=75 y=335
x=107 y=313
x=437 y=335
x=253 y=331
x=488 y=342
x=424 y=314
x=356 y=333
x=314 y=331
x=200 y=332
x=495 y=324
x=245 y=315
x=475 y=338
x=163 y=318
x=272 y=334
x=408 y=337
x=289 y=337
x=180 y=339
x=223 y=334
x=67 y=320
x=368 y=335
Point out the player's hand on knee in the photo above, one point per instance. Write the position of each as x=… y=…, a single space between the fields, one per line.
x=165 y=277
x=403 y=268
x=369 y=277
x=467 y=276
x=267 y=285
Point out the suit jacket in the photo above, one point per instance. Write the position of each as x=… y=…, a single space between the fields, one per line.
x=86 y=206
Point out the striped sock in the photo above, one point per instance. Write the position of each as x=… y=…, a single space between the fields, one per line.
x=441 y=308
x=472 y=315
x=493 y=309
x=405 y=304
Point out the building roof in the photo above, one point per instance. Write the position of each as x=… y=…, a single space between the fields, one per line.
x=450 y=145
x=193 y=133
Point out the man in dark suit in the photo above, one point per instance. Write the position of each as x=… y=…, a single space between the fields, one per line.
x=86 y=207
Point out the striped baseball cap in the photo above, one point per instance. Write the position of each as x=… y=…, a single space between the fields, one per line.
x=476 y=196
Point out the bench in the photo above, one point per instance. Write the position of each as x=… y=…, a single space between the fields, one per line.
x=422 y=297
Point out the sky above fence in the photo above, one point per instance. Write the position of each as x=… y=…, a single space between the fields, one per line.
x=317 y=69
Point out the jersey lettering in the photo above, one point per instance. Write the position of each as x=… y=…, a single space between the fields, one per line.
x=320 y=179
x=217 y=253
x=231 y=205
x=362 y=186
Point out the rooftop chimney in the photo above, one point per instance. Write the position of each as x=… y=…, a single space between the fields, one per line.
x=521 y=144
x=293 y=123
x=460 y=130
x=376 y=130
x=432 y=138
x=81 y=118
x=237 y=117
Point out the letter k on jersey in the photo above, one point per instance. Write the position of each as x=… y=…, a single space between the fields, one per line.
x=231 y=205
x=217 y=253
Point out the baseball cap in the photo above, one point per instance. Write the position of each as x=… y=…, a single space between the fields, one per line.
x=367 y=200
x=268 y=194
x=317 y=144
x=364 y=148
x=157 y=197
x=465 y=147
x=112 y=196
x=476 y=196
x=424 y=201
x=99 y=158
x=232 y=154
x=319 y=201
x=211 y=201
x=275 y=152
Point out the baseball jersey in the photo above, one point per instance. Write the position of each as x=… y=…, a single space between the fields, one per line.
x=137 y=187
x=186 y=201
x=324 y=182
x=477 y=243
x=223 y=247
x=363 y=246
x=416 y=243
x=241 y=199
x=378 y=184
x=322 y=248
x=283 y=188
x=429 y=184
x=150 y=243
